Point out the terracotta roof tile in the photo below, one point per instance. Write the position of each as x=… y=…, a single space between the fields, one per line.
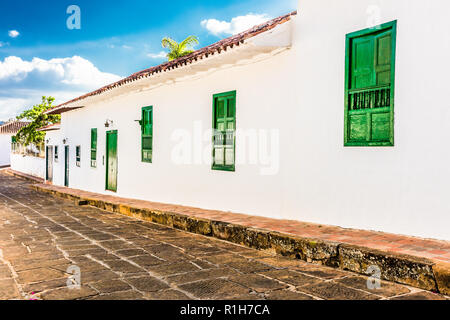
x=205 y=52
x=13 y=127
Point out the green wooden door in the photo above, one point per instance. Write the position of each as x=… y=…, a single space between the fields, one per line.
x=66 y=166
x=111 y=160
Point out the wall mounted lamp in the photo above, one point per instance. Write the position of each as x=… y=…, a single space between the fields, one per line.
x=108 y=123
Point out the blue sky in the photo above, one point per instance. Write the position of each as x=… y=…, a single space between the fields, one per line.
x=39 y=55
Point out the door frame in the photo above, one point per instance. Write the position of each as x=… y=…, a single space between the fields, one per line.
x=48 y=161
x=108 y=133
x=66 y=166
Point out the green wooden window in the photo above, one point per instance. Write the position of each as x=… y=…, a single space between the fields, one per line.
x=93 y=148
x=78 y=156
x=224 y=131
x=56 y=154
x=147 y=134
x=369 y=86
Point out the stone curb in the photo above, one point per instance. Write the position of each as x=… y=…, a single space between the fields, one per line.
x=410 y=270
x=441 y=271
x=24 y=176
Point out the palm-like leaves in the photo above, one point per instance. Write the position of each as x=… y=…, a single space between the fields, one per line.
x=177 y=50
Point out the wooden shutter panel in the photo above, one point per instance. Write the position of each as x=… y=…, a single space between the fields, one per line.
x=219 y=135
x=381 y=122
x=94 y=139
x=362 y=63
x=148 y=123
x=229 y=137
x=383 y=53
x=93 y=148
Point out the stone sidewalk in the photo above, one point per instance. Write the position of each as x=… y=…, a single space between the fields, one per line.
x=423 y=263
x=436 y=250
x=118 y=257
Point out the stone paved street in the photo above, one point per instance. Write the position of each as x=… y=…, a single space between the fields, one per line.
x=123 y=258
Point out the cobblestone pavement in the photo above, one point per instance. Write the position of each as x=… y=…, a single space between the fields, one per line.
x=41 y=237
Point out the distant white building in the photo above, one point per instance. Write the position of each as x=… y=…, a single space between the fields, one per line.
x=7 y=131
x=338 y=115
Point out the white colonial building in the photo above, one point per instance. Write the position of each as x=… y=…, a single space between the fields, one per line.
x=336 y=115
x=7 y=131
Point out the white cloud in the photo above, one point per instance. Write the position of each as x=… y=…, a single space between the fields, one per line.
x=22 y=82
x=13 y=33
x=60 y=71
x=236 y=25
x=160 y=55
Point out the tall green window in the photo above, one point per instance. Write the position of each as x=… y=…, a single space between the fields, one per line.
x=93 y=148
x=369 y=86
x=147 y=134
x=224 y=125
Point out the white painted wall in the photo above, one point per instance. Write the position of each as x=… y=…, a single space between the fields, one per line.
x=5 y=149
x=402 y=189
x=30 y=165
x=300 y=92
x=180 y=107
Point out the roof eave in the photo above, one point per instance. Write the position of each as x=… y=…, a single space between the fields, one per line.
x=62 y=109
x=48 y=129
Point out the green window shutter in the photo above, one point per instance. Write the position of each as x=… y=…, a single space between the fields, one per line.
x=224 y=125
x=383 y=59
x=363 y=75
x=370 y=66
x=93 y=148
x=147 y=134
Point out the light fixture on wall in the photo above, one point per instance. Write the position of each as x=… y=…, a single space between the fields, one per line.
x=47 y=141
x=108 y=123
x=65 y=140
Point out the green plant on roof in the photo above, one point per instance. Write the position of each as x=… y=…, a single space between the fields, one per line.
x=177 y=50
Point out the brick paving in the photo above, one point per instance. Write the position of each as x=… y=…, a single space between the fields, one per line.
x=124 y=258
